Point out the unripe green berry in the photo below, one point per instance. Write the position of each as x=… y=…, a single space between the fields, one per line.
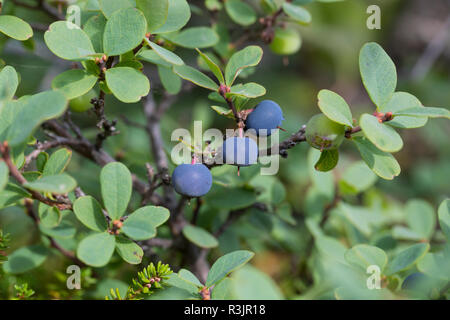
x=286 y=42
x=324 y=134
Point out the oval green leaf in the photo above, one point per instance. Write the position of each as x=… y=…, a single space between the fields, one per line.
x=407 y=258
x=381 y=135
x=15 y=28
x=247 y=57
x=200 y=237
x=155 y=11
x=240 y=12
x=363 y=256
x=59 y=184
x=178 y=16
x=195 y=76
x=25 y=259
x=142 y=224
x=74 y=83
x=227 y=264
x=97 y=249
x=129 y=251
x=335 y=107
x=127 y=84
x=90 y=213
x=116 y=186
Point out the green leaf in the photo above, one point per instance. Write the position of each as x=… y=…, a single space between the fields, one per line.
x=97 y=249
x=59 y=184
x=251 y=283
x=12 y=194
x=248 y=90
x=358 y=177
x=227 y=264
x=62 y=231
x=67 y=41
x=215 y=69
x=381 y=135
x=231 y=198
x=328 y=160
x=420 y=217
x=188 y=276
x=155 y=11
x=109 y=7
x=129 y=251
x=4 y=175
x=407 y=258
x=223 y=111
x=399 y=102
x=200 y=237
x=142 y=224
x=297 y=13
x=430 y=112
x=9 y=81
x=165 y=54
x=25 y=259
x=178 y=16
x=15 y=28
x=152 y=57
x=127 y=84
x=196 y=37
x=224 y=290
x=240 y=12
x=74 y=83
x=95 y=28
x=116 y=186
x=247 y=57
x=170 y=81
x=90 y=213
x=335 y=107
x=363 y=256
x=35 y=110
x=124 y=31
x=382 y=163
x=57 y=162
x=49 y=216
x=444 y=217
x=378 y=73
x=435 y=265
x=195 y=76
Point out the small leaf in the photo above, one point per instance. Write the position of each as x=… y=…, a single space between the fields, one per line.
x=223 y=290
x=435 y=265
x=223 y=111
x=170 y=81
x=15 y=28
x=127 y=84
x=335 y=107
x=90 y=213
x=35 y=110
x=196 y=37
x=420 y=217
x=200 y=237
x=195 y=76
x=74 y=83
x=407 y=258
x=62 y=231
x=328 y=160
x=142 y=224
x=95 y=28
x=59 y=184
x=129 y=251
x=4 y=175
x=297 y=13
x=9 y=81
x=68 y=41
x=178 y=16
x=57 y=162
x=247 y=57
x=444 y=217
x=381 y=135
x=227 y=264
x=25 y=259
x=382 y=163
x=430 y=112
x=155 y=11
x=399 y=102
x=165 y=54
x=124 y=31
x=363 y=256
x=378 y=73
x=212 y=66
x=152 y=57
x=248 y=90
x=188 y=276
x=12 y=194
x=116 y=186
x=97 y=249
x=240 y=12
x=358 y=177
x=49 y=217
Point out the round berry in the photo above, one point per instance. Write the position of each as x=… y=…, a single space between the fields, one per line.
x=324 y=134
x=82 y=103
x=286 y=42
x=192 y=180
x=240 y=152
x=266 y=116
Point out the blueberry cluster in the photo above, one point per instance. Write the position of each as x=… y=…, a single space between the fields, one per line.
x=195 y=180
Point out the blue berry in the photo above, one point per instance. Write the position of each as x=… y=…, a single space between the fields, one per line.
x=192 y=180
x=240 y=152
x=267 y=115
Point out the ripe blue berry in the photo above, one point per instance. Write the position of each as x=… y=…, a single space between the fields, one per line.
x=240 y=152
x=192 y=180
x=267 y=115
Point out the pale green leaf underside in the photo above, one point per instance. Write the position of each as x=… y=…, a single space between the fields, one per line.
x=59 y=184
x=116 y=187
x=127 y=84
x=200 y=237
x=247 y=57
x=335 y=107
x=74 y=83
x=380 y=134
x=15 y=28
x=195 y=76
